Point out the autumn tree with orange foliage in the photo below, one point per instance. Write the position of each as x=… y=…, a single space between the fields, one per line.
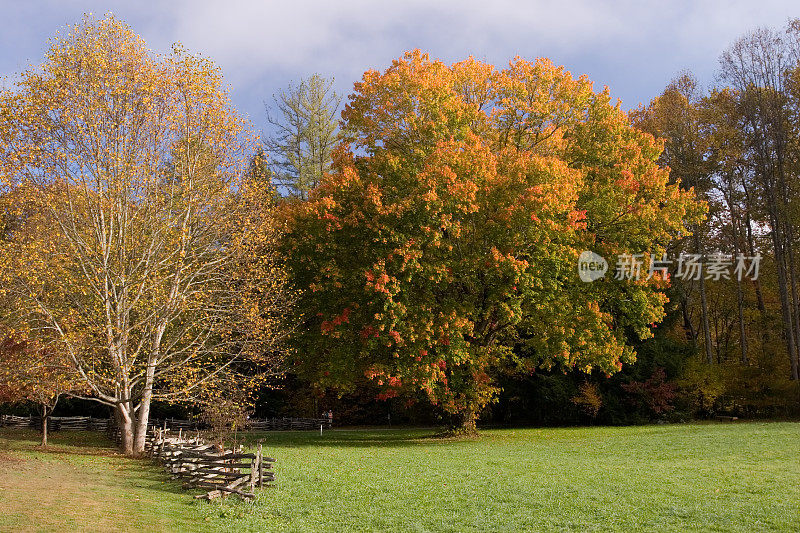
x=445 y=242
x=42 y=377
x=146 y=255
x=29 y=372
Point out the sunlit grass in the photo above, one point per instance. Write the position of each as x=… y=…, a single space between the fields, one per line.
x=712 y=477
x=681 y=477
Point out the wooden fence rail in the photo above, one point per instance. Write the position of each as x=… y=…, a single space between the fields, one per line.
x=254 y=424
x=56 y=423
x=205 y=466
x=284 y=424
x=88 y=423
x=11 y=421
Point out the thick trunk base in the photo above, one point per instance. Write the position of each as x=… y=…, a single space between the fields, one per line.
x=465 y=425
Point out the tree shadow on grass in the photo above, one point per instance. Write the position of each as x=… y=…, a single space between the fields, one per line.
x=75 y=443
x=83 y=439
x=148 y=475
x=359 y=438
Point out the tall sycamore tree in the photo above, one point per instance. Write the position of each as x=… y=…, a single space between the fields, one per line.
x=445 y=242
x=152 y=269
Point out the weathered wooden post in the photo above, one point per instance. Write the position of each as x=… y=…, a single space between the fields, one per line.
x=253 y=473
x=260 y=458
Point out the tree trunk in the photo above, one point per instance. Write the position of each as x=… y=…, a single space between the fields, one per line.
x=784 y=218
x=704 y=319
x=762 y=308
x=467 y=423
x=144 y=414
x=45 y=419
x=126 y=428
x=140 y=437
x=739 y=246
x=687 y=322
x=783 y=289
x=742 y=329
x=149 y=380
x=700 y=249
x=786 y=308
x=795 y=304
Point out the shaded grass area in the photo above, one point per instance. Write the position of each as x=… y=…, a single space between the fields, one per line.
x=80 y=484
x=708 y=477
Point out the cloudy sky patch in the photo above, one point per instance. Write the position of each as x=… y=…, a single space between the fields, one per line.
x=633 y=47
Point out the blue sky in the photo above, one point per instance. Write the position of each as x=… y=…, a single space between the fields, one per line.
x=634 y=47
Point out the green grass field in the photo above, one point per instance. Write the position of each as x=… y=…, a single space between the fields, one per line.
x=711 y=477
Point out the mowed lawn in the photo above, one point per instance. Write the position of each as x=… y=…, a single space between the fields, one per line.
x=688 y=477
x=79 y=484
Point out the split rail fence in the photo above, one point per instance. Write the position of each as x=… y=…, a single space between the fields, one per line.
x=56 y=423
x=88 y=423
x=254 y=424
x=205 y=466
x=198 y=464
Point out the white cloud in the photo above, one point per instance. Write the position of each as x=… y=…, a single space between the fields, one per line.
x=634 y=46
